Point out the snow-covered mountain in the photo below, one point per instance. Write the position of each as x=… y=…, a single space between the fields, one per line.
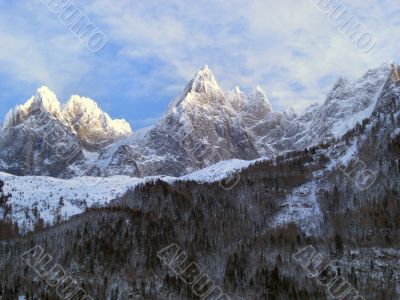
x=91 y=124
x=202 y=126
x=41 y=137
x=82 y=115
x=45 y=101
x=205 y=125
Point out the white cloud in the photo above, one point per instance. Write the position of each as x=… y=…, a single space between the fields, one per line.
x=37 y=48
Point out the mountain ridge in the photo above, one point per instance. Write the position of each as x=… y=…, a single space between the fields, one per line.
x=202 y=126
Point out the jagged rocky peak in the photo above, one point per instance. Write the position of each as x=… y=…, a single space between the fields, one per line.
x=81 y=115
x=260 y=98
x=237 y=98
x=204 y=82
x=257 y=104
x=362 y=90
x=90 y=123
x=47 y=100
x=290 y=113
x=202 y=90
x=340 y=83
x=44 y=102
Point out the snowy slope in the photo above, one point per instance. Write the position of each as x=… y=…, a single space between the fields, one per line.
x=219 y=170
x=349 y=103
x=346 y=105
x=301 y=207
x=79 y=193
x=44 y=193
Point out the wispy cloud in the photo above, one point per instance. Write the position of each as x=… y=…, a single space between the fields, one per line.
x=274 y=44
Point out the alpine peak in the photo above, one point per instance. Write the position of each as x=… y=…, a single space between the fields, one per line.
x=260 y=92
x=44 y=101
x=91 y=123
x=47 y=100
x=259 y=98
x=82 y=115
x=204 y=82
x=237 y=90
x=202 y=90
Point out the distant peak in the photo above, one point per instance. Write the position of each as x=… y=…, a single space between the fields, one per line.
x=203 y=83
x=291 y=113
x=259 y=99
x=90 y=123
x=260 y=91
x=82 y=115
x=205 y=71
x=259 y=94
x=205 y=74
x=44 y=91
x=78 y=105
x=47 y=100
x=206 y=68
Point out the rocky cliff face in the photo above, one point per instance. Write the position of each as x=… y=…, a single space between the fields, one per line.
x=198 y=128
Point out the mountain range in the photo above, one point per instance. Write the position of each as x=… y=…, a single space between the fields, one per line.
x=202 y=126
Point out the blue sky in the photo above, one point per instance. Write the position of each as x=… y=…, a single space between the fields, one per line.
x=289 y=47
